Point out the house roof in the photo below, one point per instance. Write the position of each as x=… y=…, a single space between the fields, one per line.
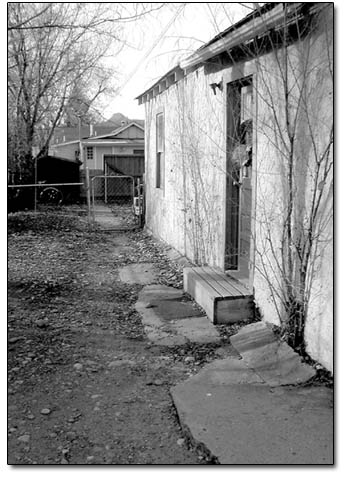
x=116 y=132
x=68 y=135
x=64 y=134
x=108 y=138
x=169 y=78
x=114 y=142
x=257 y=12
x=259 y=22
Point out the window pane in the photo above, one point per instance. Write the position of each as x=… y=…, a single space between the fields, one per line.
x=246 y=103
x=158 y=169
x=160 y=133
x=159 y=150
x=89 y=153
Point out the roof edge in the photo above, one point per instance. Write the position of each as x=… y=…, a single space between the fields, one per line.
x=239 y=33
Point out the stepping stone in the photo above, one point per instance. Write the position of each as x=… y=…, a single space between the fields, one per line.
x=169 y=321
x=271 y=358
x=138 y=273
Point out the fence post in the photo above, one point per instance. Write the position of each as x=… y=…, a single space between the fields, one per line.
x=105 y=188
x=93 y=180
x=87 y=177
x=35 y=188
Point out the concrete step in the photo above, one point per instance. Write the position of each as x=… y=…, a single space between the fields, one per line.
x=224 y=299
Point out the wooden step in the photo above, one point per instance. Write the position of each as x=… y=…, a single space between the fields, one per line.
x=224 y=299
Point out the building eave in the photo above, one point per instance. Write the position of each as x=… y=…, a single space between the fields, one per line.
x=259 y=22
x=255 y=27
x=167 y=80
x=115 y=142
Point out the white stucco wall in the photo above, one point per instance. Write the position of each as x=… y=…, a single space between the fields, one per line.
x=189 y=211
x=309 y=62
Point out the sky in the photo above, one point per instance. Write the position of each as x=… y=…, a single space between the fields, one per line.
x=158 y=41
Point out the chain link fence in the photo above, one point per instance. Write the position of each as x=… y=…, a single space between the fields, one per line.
x=35 y=197
x=117 y=201
x=112 y=202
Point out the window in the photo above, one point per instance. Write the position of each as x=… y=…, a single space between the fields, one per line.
x=246 y=103
x=89 y=153
x=138 y=151
x=159 y=150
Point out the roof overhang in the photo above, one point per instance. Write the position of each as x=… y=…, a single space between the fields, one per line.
x=259 y=22
x=255 y=26
x=170 y=78
x=113 y=142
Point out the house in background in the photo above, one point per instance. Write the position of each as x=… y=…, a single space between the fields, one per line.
x=119 y=152
x=238 y=167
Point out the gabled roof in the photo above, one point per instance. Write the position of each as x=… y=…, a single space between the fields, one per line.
x=110 y=137
x=116 y=132
x=71 y=134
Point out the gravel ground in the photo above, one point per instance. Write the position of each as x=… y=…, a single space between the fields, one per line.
x=84 y=384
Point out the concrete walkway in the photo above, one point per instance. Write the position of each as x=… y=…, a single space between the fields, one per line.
x=240 y=413
x=169 y=320
x=107 y=220
x=244 y=410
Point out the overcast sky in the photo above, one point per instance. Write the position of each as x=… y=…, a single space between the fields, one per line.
x=159 y=41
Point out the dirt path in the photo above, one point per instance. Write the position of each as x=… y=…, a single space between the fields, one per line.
x=85 y=385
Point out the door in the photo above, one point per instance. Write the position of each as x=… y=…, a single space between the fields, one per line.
x=239 y=178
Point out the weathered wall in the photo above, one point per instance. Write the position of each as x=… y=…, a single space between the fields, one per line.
x=310 y=90
x=189 y=211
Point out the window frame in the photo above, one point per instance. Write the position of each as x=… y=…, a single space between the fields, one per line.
x=89 y=149
x=160 y=146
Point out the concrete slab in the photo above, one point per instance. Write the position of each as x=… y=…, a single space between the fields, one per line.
x=173 y=307
x=272 y=359
x=140 y=273
x=196 y=330
x=226 y=371
x=246 y=424
x=168 y=321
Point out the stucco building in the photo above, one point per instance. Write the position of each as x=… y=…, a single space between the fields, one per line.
x=239 y=171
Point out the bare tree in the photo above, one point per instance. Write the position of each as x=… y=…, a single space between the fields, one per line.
x=55 y=50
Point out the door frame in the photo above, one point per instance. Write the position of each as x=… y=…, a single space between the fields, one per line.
x=237 y=73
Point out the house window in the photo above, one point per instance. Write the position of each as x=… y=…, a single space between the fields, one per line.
x=89 y=153
x=160 y=150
